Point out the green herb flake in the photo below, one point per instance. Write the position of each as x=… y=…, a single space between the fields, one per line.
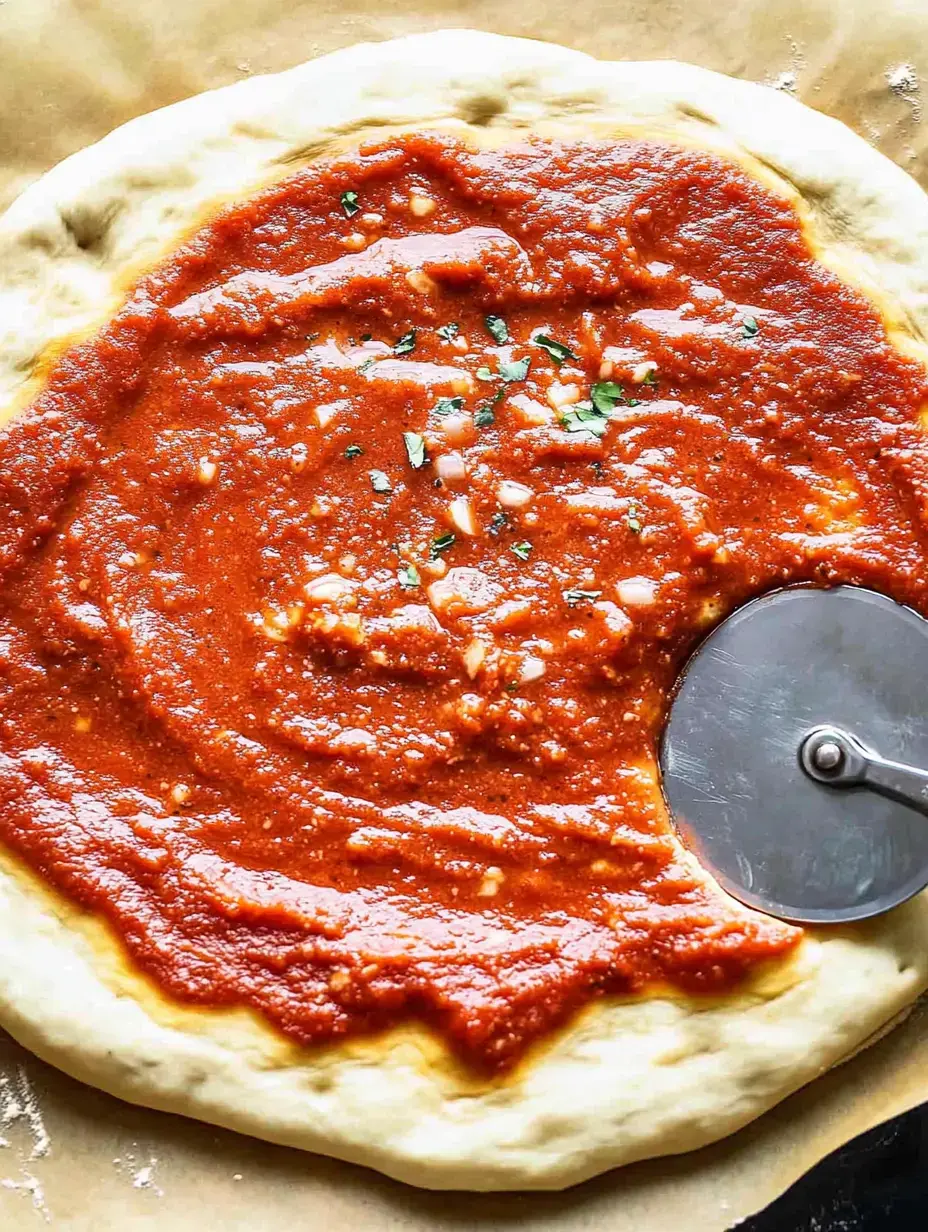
x=367 y=365
x=498 y=522
x=523 y=550
x=449 y=332
x=515 y=370
x=484 y=416
x=407 y=343
x=574 y=596
x=367 y=337
x=445 y=406
x=606 y=395
x=584 y=417
x=380 y=482
x=441 y=544
x=415 y=450
x=484 y=374
x=353 y=451
x=497 y=329
x=349 y=200
x=557 y=350
x=749 y=327
x=408 y=576
x=650 y=378
x=633 y=522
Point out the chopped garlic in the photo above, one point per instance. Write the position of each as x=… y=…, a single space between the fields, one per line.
x=512 y=495
x=421 y=206
x=560 y=395
x=451 y=467
x=462 y=516
x=207 y=471
x=641 y=372
x=458 y=429
x=474 y=656
x=328 y=588
x=493 y=878
x=326 y=413
x=530 y=411
x=636 y=592
x=532 y=668
x=421 y=282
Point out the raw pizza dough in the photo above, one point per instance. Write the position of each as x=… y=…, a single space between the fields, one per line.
x=629 y=1078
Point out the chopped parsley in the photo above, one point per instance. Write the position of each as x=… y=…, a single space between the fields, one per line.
x=415 y=450
x=444 y=406
x=515 y=369
x=633 y=522
x=498 y=521
x=380 y=482
x=509 y=370
x=484 y=416
x=574 y=596
x=353 y=451
x=408 y=576
x=650 y=378
x=749 y=327
x=523 y=550
x=606 y=395
x=407 y=343
x=449 y=332
x=441 y=544
x=557 y=350
x=366 y=337
x=367 y=365
x=497 y=329
x=349 y=200
x=584 y=417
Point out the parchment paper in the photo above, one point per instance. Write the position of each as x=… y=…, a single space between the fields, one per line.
x=70 y=70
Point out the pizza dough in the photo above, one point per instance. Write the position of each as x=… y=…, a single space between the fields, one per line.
x=630 y=1078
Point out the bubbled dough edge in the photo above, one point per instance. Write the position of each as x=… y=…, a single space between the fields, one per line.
x=627 y=1079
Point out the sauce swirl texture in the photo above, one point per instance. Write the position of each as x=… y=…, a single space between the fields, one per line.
x=347 y=570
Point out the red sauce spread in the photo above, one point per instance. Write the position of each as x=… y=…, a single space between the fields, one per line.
x=346 y=573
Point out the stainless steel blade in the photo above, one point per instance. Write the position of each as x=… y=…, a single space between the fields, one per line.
x=813 y=844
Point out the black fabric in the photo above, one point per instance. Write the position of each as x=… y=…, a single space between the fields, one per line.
x=877 y=1183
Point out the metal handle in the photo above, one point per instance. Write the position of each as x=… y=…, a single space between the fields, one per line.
x=837 y=758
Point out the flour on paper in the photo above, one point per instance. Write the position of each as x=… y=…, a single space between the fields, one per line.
x=21 y=1118
x=140 y=1173
x=904 y=83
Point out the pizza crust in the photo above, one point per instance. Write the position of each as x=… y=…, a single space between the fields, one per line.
x=629 y=1078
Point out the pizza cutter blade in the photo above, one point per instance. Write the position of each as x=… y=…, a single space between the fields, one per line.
x=795 y=755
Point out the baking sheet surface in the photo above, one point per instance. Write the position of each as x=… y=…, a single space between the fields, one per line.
x=70 y=70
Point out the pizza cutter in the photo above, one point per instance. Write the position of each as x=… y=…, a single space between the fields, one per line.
x=795 y=756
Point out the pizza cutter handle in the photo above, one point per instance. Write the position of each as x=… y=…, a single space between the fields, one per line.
x=837 y=758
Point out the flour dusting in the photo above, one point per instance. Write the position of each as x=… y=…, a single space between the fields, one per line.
x=33 y=1187
x=141 y=1174
x=25 y=1134
x=788 y=81
x=904 y=83
x=19 y=1106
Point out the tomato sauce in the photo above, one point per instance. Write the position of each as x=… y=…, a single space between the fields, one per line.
x=348 y=569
